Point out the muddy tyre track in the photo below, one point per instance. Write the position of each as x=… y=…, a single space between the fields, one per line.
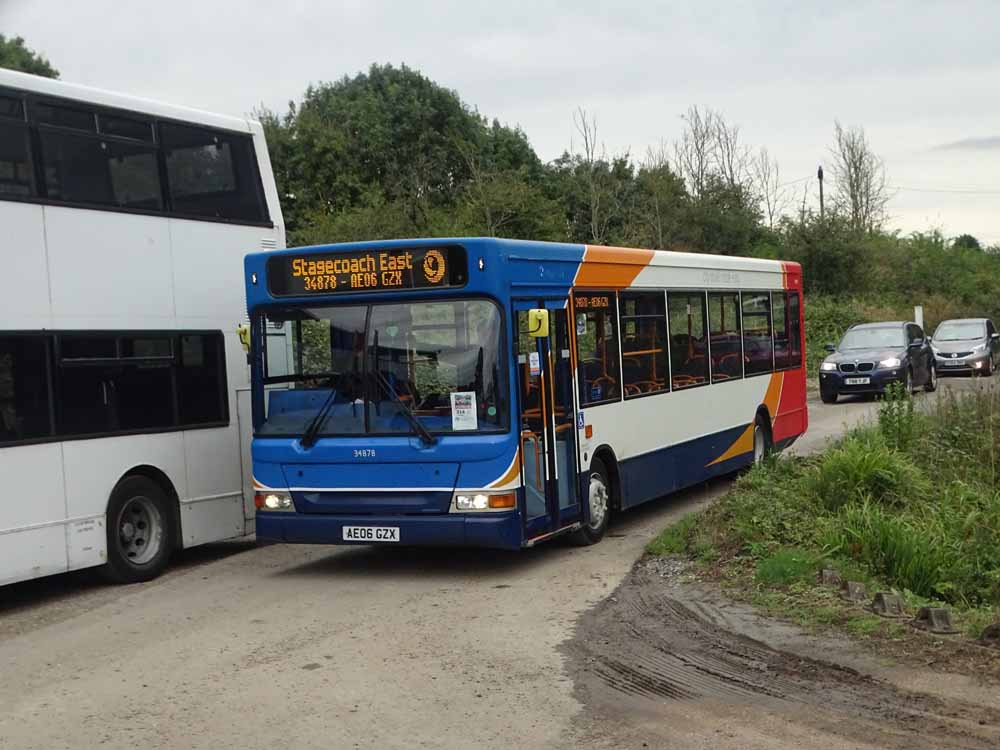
x=660 y=646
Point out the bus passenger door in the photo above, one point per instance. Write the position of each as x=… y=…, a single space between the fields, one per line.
x=547 y=422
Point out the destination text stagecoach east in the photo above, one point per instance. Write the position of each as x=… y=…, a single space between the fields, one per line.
x=375 y=270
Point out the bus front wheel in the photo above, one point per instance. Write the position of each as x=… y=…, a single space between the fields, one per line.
x=138 y=531
x=599 y=506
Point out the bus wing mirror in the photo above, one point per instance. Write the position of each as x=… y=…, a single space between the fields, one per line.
x=538 y=323
x=243 y=331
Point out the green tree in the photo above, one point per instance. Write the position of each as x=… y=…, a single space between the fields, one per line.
x=966 y=242
x=14 y=55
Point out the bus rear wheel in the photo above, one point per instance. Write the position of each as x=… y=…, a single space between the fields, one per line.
x=138 y=531
x=762 y=445
x=598 y=505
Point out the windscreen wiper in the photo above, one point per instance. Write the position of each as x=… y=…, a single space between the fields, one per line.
x=312 y=431
x=418 y=427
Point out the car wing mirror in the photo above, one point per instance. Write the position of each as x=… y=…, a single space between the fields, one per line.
x=830 y=348
x=916 y=343
x=995 y=336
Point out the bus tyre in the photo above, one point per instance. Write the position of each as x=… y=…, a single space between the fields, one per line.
x=761 y=439
x=139 y=531
x=599 y=506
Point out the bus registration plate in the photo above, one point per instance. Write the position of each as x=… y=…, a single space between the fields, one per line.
x=371 y=533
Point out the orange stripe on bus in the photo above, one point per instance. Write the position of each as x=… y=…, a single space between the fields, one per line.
x=744 y=443
x=611 y=267
x=513 y=471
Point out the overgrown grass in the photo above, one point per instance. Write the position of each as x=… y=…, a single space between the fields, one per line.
x=910 y=503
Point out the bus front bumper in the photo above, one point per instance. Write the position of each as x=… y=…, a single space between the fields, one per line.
x=498 y=530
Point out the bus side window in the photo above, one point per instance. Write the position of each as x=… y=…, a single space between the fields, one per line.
x=24 y=394
x=688 y=344
x=596 y=316
x=724 y=331
x=794 y=331
x=782 y=340
x=757 y=343
x=644 y=350
x=212 y=173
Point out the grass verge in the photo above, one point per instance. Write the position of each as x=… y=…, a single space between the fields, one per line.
x=910 y=504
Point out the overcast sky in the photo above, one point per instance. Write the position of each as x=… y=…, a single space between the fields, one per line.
x=921 y=76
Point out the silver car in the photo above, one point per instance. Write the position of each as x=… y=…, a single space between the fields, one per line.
x=966 y=345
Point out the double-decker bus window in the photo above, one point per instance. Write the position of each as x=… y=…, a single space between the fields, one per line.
x=688 y=340
x=724 y=331
x=597 y=347
x=64 y=117
x=143 y=395
x=645 y=368
x=126 y=127
x=24 y=393
x=12 y=107
x=757 y=343
x=15 y=161
x=201 y=379
x=123 y=382
x=211 y=173
x=82 y=169
x=794 y=331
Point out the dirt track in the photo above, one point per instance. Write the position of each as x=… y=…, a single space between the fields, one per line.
x=669 y=651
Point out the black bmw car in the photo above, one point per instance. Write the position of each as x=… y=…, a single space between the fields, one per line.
x=872 y=355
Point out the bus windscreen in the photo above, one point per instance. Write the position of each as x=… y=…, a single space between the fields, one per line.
x=367 y=271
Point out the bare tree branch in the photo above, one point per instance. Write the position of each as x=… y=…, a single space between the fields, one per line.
x=695 y=153
x=861 y=189
x=774 y=198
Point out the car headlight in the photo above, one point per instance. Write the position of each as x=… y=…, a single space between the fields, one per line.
x=273 y=501
x=890 y=363
x=828 y=366
x=483 y=500
x=979 y=348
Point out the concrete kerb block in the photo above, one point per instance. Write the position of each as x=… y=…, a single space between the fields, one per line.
x=990 y=636
x=888 y=605
x=853 y=591
x=829 y=577
x=935 y=620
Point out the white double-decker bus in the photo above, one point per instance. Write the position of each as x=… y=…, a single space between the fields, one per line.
x=124 y=389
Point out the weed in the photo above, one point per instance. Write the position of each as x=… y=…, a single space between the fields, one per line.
x=865 y=468
x=896 y=419
x=786 y=566
x=673 y=539
x=864 y=625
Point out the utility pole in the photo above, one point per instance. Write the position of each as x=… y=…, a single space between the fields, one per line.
x=819 y=174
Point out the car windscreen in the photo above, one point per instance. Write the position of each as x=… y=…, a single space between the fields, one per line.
x=960 y=330
x=873 y=338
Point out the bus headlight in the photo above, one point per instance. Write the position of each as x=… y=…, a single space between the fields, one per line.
x=483 y=501
x=273 y=501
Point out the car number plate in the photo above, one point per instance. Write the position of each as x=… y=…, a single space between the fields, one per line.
x=857 y=381
x=952 y=363
x=371 y=533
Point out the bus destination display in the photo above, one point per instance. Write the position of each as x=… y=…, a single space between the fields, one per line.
x=367 y=271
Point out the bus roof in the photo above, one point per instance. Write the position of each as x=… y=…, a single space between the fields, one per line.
x=61 y=89
x=615 y=254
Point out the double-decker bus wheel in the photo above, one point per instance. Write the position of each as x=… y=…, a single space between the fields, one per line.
x=139 y=531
